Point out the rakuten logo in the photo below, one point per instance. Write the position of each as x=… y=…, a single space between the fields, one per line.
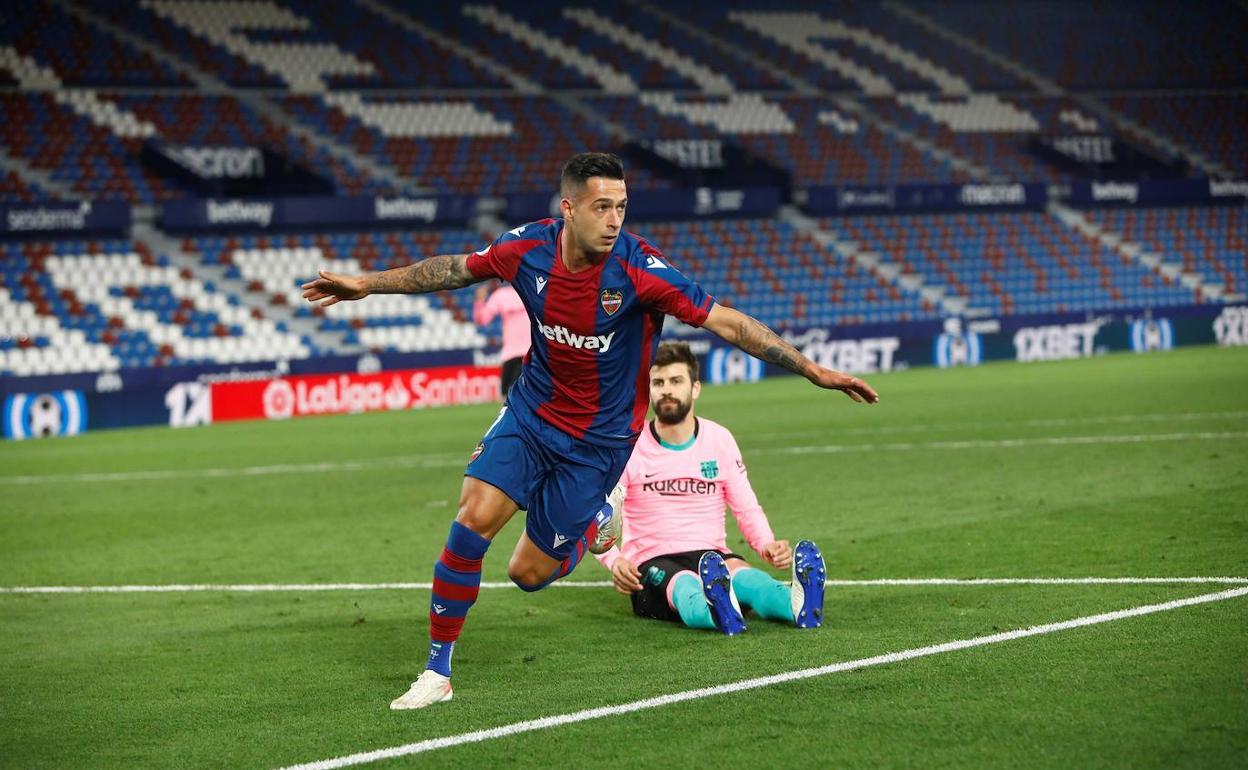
x=563 y=336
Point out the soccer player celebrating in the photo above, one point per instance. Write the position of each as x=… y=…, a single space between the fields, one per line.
x=597 y=297
x=673 y=559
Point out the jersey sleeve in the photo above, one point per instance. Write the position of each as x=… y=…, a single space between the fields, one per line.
x=501 y=259
x=661 y=286
x=741 y=498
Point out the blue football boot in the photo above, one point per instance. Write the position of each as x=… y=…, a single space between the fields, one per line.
x=717 y=588
x=807 y=589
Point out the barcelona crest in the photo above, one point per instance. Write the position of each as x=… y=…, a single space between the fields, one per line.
x=710 y=469
x=611 y=300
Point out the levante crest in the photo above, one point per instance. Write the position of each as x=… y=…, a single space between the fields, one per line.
x=611 y=300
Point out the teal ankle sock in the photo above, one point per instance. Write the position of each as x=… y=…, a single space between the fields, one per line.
x=690 y=603
x=764 y=594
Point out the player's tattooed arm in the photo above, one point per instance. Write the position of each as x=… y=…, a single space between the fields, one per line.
x=755 y=338
x=432 y=274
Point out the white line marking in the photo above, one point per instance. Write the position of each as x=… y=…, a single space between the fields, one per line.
x=1044 y=422
x=752 y=684
x=407 y=461
x=282 y=587
x=449 y=461
x=1007 y=443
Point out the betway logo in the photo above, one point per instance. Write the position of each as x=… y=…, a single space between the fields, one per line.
x=563 y=336
x=1228 y=189
x=1115 y=191
x=239 y=212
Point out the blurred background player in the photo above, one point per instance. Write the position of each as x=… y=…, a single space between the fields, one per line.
x=673 y=560
x=598 y=297
x=504 y=302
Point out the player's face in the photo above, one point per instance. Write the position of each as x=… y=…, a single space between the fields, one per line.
x=672 y=393
x=595 y=215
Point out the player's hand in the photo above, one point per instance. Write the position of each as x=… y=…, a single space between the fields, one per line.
x=855 y=388
x=483 y=291
x=334 y=288
x=778 y=554
x=625 y=576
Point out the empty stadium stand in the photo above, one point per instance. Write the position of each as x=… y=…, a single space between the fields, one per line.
x=401 y=97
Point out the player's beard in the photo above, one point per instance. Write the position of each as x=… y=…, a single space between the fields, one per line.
x=676 y=412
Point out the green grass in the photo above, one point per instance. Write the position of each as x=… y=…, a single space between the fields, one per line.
x=229 y=679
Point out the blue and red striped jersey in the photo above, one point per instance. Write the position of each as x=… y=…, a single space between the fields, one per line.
x=595 y=332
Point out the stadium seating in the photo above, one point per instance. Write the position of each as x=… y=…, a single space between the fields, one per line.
x=519 y=154
x=781 y=275
x=992 y=131
x=1210 y=242
x=489 y=98
x=1007 y=263
x=1212 y=124
x=78 y=53
x=142 y=20
x=1114 y=43
x=276 y=267
x=92 y=306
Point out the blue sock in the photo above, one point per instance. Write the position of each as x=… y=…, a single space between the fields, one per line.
x=690 y=602
x=764 y=594
x=440 y=657
x=456 y=582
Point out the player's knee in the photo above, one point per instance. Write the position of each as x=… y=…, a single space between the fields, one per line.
x=483 y=511
x=526 y=581
x=526 y=577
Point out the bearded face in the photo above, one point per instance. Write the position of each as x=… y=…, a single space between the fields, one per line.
x=672 y=393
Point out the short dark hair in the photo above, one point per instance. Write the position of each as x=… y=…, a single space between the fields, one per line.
x=677 y=352
x=579 y=168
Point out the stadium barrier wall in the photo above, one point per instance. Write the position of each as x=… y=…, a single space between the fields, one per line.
x=1165 y=192
x=680 y=203
x=875 y=348
x=186 y=396
x=872 y=199
x=315 y=212
x=44 y=218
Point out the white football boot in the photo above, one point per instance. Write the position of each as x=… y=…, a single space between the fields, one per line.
x=609 y=530
x=430 y=688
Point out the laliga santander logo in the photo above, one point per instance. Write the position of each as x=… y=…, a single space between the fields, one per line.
x=279 y=400
x=283 y=399
x=296 y=396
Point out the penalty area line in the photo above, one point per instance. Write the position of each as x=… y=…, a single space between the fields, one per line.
x=295 y=587
x=753 y=684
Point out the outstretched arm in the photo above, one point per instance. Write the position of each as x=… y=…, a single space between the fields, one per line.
x=755 y=338
x=432 y=274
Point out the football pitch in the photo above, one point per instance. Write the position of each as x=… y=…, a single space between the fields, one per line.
x=253 y=595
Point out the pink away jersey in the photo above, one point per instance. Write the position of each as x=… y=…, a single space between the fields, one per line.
x=506 y=302
x=676 y=497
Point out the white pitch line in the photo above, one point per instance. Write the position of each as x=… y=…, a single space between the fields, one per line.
x=448 y=461
x=1042 y=422
x=752 y=684
x=1007 y=443
x=292 y=587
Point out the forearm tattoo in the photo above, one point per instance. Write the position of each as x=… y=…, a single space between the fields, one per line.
x=432 y=274
x=755 y=338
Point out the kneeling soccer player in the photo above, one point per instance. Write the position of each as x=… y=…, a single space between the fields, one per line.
x=673 y=560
